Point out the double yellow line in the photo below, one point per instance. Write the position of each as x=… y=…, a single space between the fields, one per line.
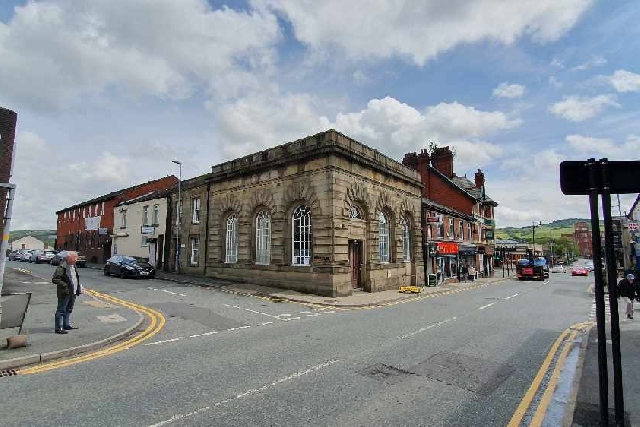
x=565 y=339
x=156 y=319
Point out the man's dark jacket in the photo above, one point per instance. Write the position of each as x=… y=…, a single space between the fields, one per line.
x=63 y=281
x=627 y=289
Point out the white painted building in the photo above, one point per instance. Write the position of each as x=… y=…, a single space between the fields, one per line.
x=139 y=227
x=27 y=242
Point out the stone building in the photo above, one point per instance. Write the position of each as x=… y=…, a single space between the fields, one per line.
x=324 y=214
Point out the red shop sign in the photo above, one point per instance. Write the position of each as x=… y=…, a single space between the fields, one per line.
x=447 y=248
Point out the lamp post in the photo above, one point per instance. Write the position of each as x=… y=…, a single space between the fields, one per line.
x=533 y=236
x=178 y=214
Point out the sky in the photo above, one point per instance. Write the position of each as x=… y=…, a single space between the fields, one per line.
x=108 y=93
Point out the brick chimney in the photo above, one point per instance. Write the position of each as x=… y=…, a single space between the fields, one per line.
x=420 y=163
x=479 y=179
x=442 y=160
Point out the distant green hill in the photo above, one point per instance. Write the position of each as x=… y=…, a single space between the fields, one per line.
x=47 y=236
x=544 y=232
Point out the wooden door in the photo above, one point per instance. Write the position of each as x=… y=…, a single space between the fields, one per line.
x=355 y=261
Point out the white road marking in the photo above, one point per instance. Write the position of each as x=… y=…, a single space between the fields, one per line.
x=486 y=306
x=512 y=296
x=284 y=315
x=40 y=283
x=169 y=292
x=426 y=328
x=183 y=295
x=250 y=392
x=112 y=318
x=164 y=341
x=266 y=323
x=206 y=334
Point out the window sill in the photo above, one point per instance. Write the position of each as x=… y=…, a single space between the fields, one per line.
x=195 y=222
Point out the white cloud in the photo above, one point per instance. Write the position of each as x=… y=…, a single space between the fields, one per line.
x=554 y=82
x=48 y=181
x=396 y=128
x=603 y=147
x=420 y=30
x=506 y=90
x=54 y=52
x=596 y=61
x=625 y=81
x=360 y=77
x=265 y=119
x=579 y=109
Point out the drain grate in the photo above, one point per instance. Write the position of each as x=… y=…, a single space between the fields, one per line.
x=385 y=373
x=8 y=373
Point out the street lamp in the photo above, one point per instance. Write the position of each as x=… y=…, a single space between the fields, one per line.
x=178 y=213
x=533 y=235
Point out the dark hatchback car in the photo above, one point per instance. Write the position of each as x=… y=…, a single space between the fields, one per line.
x=129 y=266
x=80 y=262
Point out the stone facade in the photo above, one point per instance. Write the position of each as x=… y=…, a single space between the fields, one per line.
x=343 y=185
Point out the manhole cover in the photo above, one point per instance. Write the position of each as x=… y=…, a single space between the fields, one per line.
x=470 y=373
x=385 y=373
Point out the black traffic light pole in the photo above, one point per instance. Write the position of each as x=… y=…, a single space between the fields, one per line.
x=612 y=276
x=603 y=376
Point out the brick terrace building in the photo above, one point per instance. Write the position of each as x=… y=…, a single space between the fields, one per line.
x=457 y=215
x=582 y=237
x=88 y=226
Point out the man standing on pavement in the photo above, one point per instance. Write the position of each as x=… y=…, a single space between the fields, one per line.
x=68 y=287
x=628 y=291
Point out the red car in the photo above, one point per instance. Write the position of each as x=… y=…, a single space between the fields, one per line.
x=579 y=270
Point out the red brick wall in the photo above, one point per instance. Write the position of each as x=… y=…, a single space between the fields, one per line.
x=8 y=121
x=444 y=193
x=71 y=233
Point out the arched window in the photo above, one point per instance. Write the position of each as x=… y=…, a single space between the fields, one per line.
x=355 y=212
x=301 y=233
x=383 y=237
x=406 y=241
x=263 y=238
x=232 y=240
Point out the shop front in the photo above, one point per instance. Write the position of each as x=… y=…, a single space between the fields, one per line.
x=467 y=255
x=446 y=261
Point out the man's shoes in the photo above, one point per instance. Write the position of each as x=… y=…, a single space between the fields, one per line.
x=61 y=331
x=68 y=328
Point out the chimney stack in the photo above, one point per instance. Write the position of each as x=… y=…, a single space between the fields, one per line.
x=479 y=179
x=442 y=160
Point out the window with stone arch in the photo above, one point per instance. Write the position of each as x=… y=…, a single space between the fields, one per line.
x=231 y=253
x=355 y=212
x=301 y=233
x=406 y=240
x=383 y=237
x=263 y=238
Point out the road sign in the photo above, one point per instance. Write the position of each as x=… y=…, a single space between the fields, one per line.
x=633 y=226
x=574 y=176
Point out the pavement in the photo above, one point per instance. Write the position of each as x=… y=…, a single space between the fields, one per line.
x=586 y=410
x=99 y=324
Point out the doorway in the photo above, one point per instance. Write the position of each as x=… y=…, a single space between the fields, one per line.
x=355 y=261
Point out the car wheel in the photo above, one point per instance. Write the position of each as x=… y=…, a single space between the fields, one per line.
x=122 y=274
x=106 y=271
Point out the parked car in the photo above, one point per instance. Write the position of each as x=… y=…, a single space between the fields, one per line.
x=558 y=269
x=129 y=266
x=81 y=262
x=26 y=255
x=40 y=255
x=15 y=255
x=579 y=270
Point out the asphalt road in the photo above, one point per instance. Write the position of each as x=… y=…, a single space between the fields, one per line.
x=465 y=359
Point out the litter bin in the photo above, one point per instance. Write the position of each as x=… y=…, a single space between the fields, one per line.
x=432 y=280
